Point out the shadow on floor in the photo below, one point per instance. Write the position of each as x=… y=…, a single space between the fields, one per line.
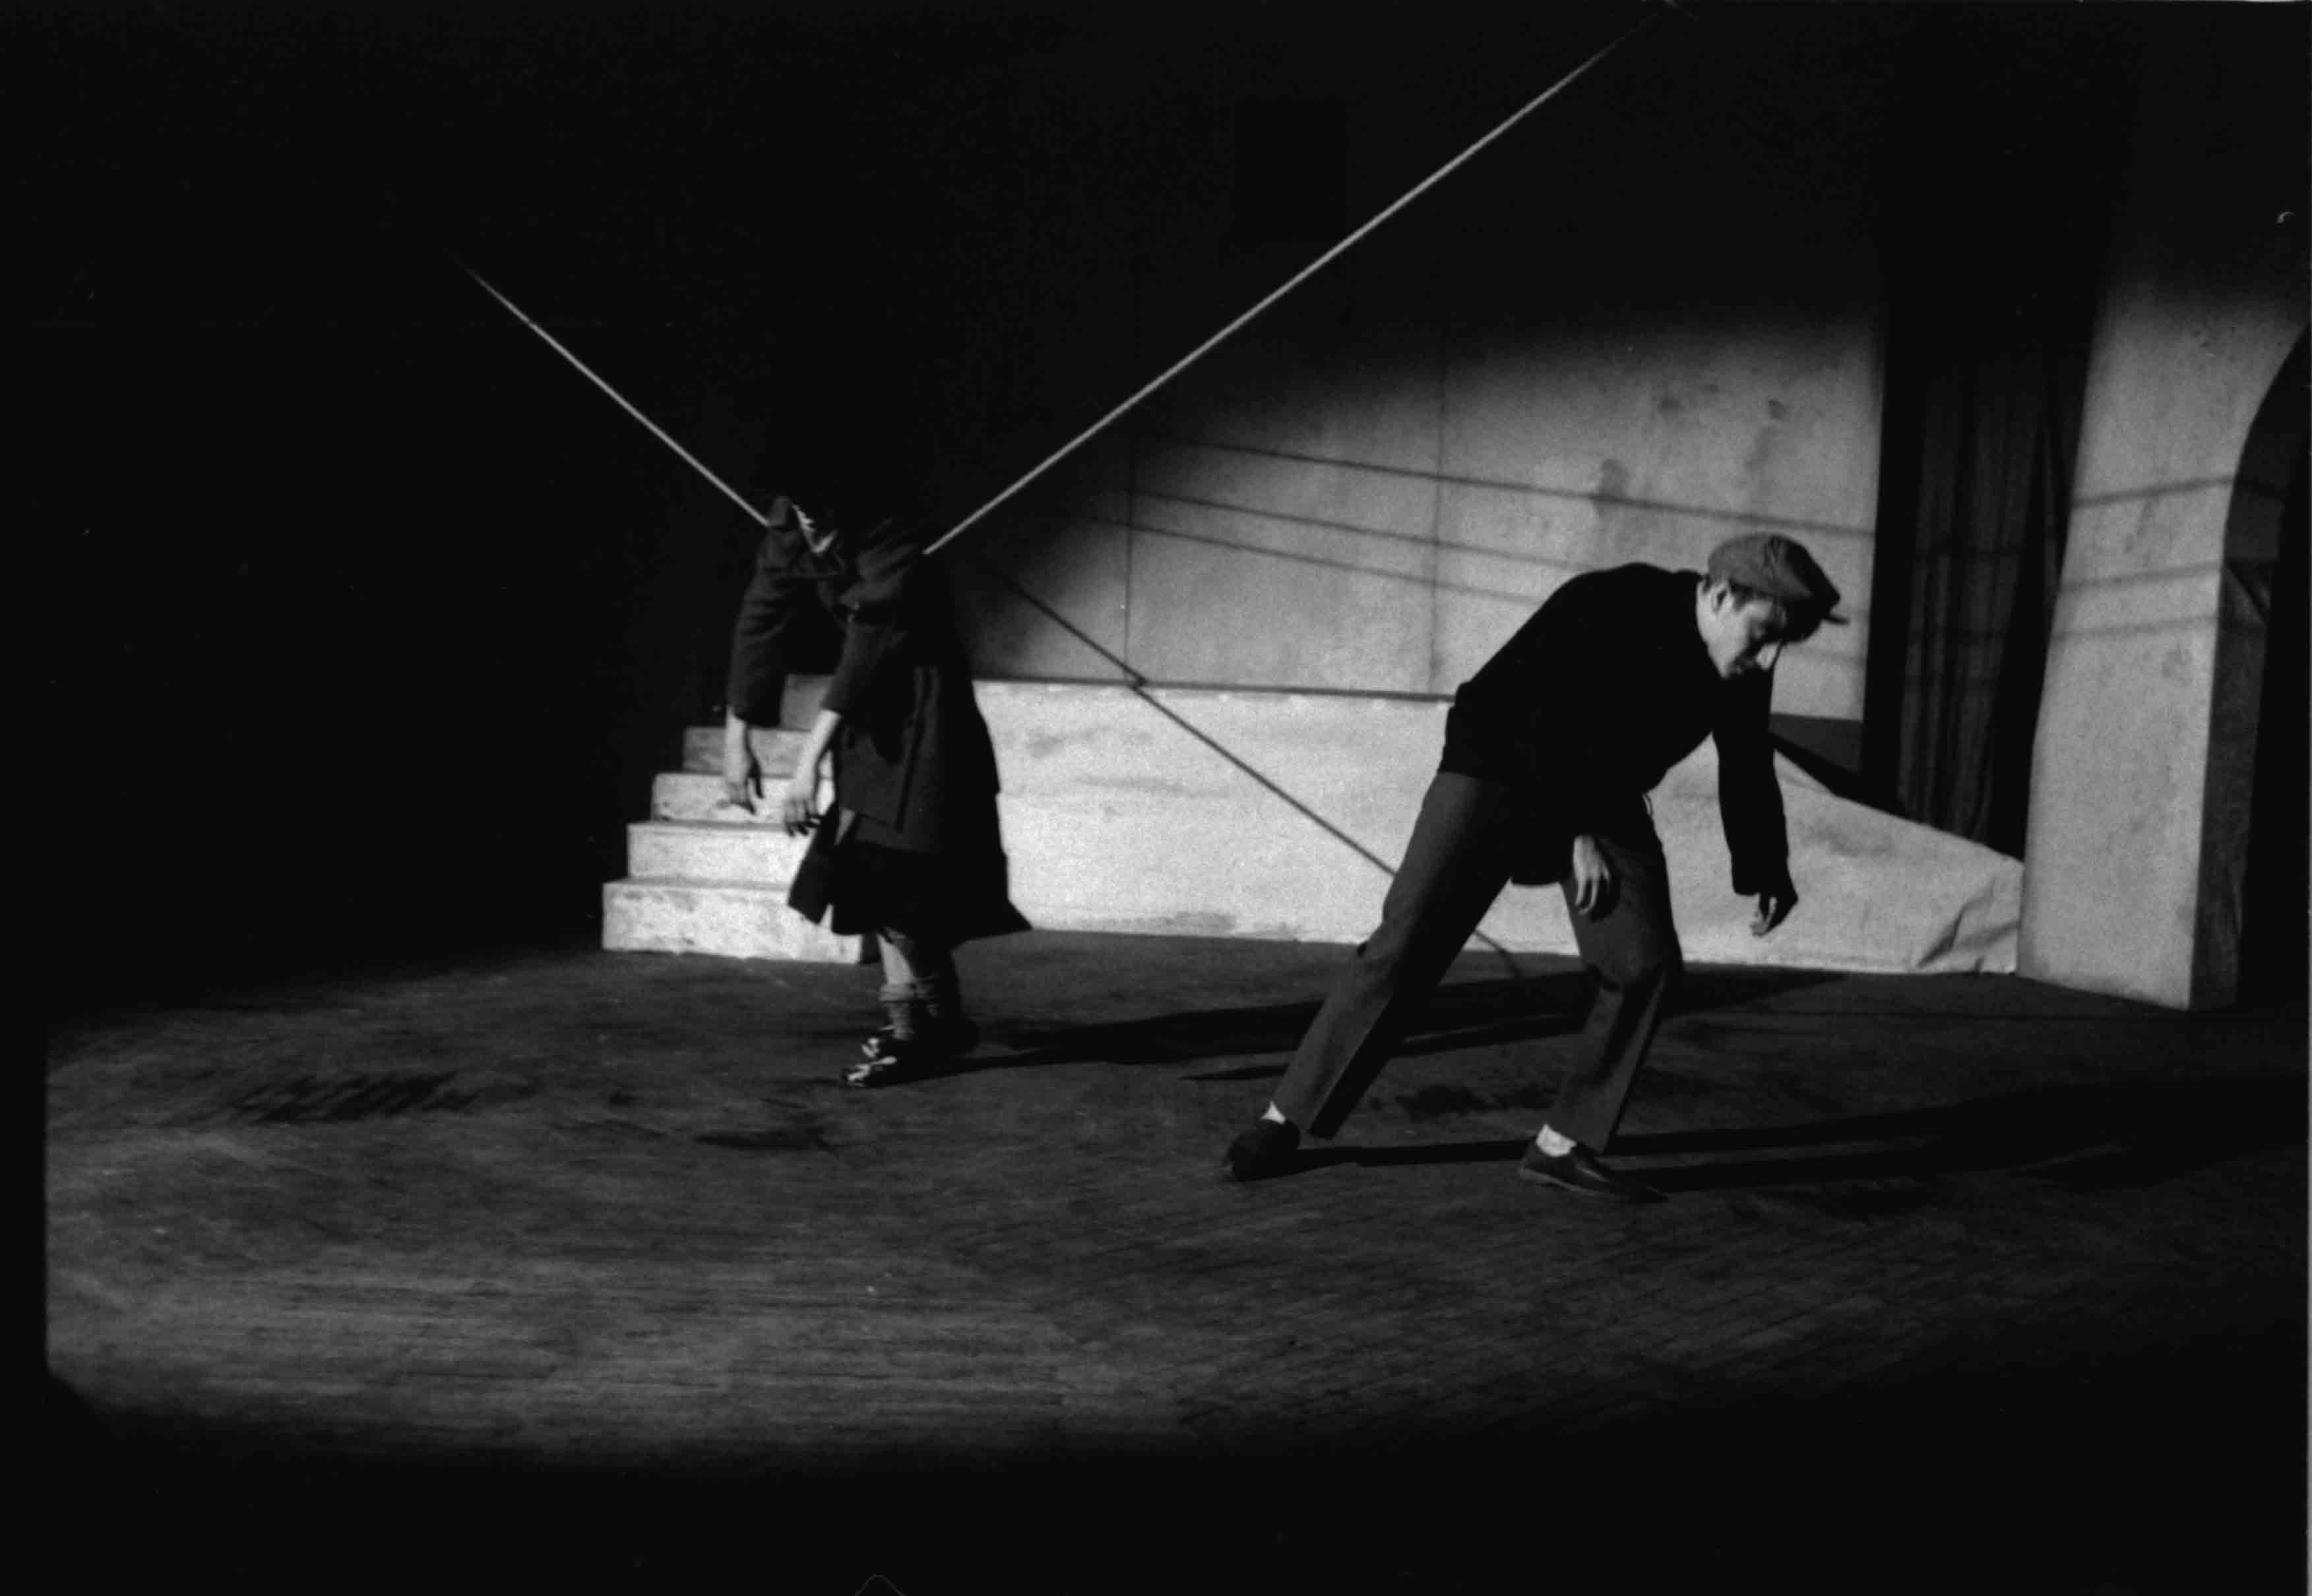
x=1499 y=1012
x=2086 y=1138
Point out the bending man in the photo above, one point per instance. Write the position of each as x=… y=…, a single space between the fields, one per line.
x=1550 y=751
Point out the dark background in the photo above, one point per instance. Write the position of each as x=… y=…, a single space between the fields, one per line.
x=362 y=621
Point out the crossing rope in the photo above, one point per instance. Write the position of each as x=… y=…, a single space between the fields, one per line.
x=1161 y=377
x=1287 y=286
x=1133 y=681
x=657 y=431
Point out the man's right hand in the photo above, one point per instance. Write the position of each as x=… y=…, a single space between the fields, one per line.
x=742 y=777
x=1593 y=878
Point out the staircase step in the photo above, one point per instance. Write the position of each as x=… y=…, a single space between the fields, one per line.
x=738 y=920
x=753 y=854
x=775 y=750
x=775 y=746
x=685 y=795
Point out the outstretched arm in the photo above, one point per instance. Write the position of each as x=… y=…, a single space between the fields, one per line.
x=1750 y=803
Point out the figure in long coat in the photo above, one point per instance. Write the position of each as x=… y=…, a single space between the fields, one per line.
x=911 y=851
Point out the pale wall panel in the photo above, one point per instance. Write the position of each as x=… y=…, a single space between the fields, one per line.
x=1304 y=612
x=1366 y=394
x=1584 y=454
x=1066 y=544
x=1075 y=569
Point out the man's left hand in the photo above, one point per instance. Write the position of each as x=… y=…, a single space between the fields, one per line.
x=1773 y=909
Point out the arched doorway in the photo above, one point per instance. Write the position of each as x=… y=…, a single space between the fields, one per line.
x=2265 y=561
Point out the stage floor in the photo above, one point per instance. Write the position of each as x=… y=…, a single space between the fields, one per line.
x=569 y=1260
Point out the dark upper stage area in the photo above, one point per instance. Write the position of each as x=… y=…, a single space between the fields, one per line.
x=367 y=619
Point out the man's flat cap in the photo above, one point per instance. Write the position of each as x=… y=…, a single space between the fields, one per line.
x=1769 y=563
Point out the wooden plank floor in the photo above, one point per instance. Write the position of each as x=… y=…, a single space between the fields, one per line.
x=582 y=1260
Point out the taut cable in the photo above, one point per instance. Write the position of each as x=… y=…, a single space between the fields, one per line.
x=1298 y=278
x=584 y=371
x=1161 y=377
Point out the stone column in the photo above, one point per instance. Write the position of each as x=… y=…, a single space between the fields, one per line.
x=2137 y=813
x=2139 y=769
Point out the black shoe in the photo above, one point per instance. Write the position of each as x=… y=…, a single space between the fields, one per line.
x=1268 y=1149
x=887 y=1058
x=933 y=1040
x=1578 y=1170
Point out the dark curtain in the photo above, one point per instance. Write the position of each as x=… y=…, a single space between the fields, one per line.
x=1982 y=413
x=2274 y=943
x=1991 y=228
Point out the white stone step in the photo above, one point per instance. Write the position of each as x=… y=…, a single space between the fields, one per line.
x=728 y=851
x=683 y=795
x=776 y=749
x=775 y=746
x=738 y=920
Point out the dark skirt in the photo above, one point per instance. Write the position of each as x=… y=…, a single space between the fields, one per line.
x=854 y=885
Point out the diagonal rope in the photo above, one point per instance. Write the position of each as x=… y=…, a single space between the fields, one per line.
x=1174 y=369
x=1298 y=278
x=1139 y=685
x=586 y=371
x=1135 y=681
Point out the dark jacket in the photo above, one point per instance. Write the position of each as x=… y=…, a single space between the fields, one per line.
x=913 y=756
x=1584 y=710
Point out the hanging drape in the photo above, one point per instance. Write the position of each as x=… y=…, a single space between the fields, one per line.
x=2275 y=939
x=1982 y=426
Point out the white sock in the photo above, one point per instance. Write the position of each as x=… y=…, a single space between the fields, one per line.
x=1275 y=1115
x=1552 y=1145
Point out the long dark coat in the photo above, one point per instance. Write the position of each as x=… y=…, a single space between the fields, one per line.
x=915 y=769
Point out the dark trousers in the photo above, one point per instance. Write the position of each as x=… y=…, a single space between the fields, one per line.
x=1455 y=867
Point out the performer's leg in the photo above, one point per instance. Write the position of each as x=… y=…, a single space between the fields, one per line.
x=1633 y=948
x=923 y=1006
x=1455 y=866
x=938 y=989
x=900 y=975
